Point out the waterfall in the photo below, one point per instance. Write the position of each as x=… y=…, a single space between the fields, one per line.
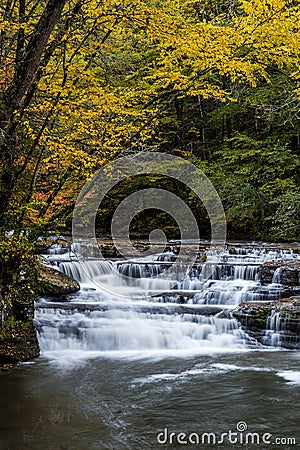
x=136 y=270
x=277 y=276
x=86 y=272
x=274 y=327
x=118 y=330
x=58 y=249
x=134 y=303
x=81 y=270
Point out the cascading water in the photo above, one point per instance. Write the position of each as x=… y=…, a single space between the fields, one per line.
x=122 y=366
x=119 y=330
x=273 y=329
x=86 y=273
x=277 y=275
x=127 y=305
x=59 y=249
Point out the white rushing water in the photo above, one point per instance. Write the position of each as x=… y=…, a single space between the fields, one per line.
x=274 y=328
x=126 y=306
x=119 y=330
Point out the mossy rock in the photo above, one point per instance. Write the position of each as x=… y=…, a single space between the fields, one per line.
x=254 y=318
x=18 y=342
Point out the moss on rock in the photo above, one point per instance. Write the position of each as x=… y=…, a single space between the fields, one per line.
x=255 y=318
x=18 y=342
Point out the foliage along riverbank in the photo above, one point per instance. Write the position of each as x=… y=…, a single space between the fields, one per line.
x=22 y=279
x=18 y=290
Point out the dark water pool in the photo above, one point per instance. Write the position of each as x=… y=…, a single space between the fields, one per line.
x=134 y=401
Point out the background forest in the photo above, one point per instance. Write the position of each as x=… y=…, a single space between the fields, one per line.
x=85 y=82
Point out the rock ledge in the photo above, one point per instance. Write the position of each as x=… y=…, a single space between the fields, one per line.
x=263 y=320
x=54 y=283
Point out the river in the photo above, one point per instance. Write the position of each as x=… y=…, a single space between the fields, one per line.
x=133 y=371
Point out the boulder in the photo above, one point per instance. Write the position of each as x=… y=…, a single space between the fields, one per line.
x=289 y=273
x=267 y=271
x=54 y=283
x=256 y=319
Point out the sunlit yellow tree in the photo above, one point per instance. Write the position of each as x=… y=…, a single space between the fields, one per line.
x=83 y=81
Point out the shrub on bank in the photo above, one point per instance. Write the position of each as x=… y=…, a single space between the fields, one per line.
x=18 y=290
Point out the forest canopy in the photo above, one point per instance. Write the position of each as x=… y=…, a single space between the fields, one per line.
x=84 y=82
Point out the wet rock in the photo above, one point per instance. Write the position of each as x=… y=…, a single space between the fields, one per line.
x=256 y=317
x=203 y=310
x=288 y=292
x=55 y=284
x=267 y=272
x=289 y=273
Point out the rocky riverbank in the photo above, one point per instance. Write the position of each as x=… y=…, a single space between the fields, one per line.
x=18 y=339
x=18 y=342
x=278 y=322
x=274 y=323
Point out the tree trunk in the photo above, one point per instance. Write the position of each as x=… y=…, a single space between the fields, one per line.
x=27 y=63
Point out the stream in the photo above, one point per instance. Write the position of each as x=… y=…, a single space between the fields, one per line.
x=146 y=356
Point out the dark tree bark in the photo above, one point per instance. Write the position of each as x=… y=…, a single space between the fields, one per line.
x=27 y=62
x=26 y=70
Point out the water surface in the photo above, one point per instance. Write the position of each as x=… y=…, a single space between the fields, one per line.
x=124 y=401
